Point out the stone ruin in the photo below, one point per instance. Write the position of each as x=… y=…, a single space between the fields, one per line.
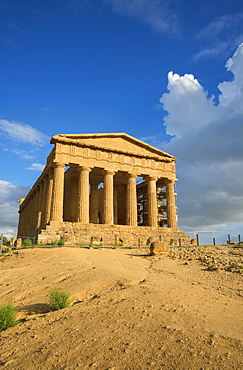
x=102 y=188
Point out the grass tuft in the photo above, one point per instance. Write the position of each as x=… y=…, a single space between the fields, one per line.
x=59 y=298
x=8 y=316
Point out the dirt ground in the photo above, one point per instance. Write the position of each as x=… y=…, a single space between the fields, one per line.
x=130 y=310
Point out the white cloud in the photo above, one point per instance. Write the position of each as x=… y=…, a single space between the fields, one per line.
x=22 y=133
x=220 y=36
x=160 y=15
x=232 y=92
x=9 y=195
x=22 y=154
x=219 y=25
x=36 y=167
x=208 y=145
x=192 y=103
x=212 y=51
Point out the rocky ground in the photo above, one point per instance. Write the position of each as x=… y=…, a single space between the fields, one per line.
x=130 y=310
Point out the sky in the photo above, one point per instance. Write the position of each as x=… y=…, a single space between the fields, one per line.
x=168 y=72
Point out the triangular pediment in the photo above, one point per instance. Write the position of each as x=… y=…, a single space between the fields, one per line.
x=117 y=142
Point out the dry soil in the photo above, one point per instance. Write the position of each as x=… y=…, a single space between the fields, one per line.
x=129 y=311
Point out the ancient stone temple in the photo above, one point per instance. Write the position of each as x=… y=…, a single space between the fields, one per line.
x=105 y=188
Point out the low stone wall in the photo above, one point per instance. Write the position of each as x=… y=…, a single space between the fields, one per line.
x=110 y=235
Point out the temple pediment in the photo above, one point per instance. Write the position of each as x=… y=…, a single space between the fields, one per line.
x=115 y=142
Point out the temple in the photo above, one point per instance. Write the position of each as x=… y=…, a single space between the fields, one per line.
x=107 y=188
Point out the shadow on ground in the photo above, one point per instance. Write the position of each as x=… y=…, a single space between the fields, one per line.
x=35 y=308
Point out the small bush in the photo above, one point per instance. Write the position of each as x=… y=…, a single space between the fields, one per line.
x=27 y=242
x=8 y=316
x=59 y=298
x=61 y=242
x=54 y=242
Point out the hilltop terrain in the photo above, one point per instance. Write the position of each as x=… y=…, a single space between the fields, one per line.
x=130 y=310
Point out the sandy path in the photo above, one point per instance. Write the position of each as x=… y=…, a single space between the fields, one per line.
x=130 y=311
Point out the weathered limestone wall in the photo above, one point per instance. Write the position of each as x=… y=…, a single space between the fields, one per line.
x=76 y=234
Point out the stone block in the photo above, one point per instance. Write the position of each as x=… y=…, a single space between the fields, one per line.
x=19 y=243
x=13 y=241
x=159 y=247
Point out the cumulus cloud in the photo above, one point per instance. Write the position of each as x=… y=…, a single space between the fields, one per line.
x=9 y=195
x=22 y=133
x=159 y=15
x=186 y=93
x=208 y=144
x=36 y=167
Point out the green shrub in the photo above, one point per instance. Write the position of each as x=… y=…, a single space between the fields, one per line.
x=61 y=242
x=27 y=242
x=8 y=316
x=59 y=298
x=54 y=242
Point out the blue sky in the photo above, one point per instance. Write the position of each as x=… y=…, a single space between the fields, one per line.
x=167 y=72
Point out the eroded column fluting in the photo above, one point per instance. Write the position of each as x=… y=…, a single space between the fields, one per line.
x=108 y=197
x=115 y=205
x=94 y=202
x=83 y=195
x=57 y=193
x=131 y=200
x=33 y=214
x=49 y=195
x=171 y=205
x=44 y=200
x=152 y=202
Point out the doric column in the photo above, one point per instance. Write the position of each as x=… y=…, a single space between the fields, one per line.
x=24 y=219
x=171 y=205
x=115 y=205
x=57 y=193
x=33 y=210
x=29 y=212
x=48 y=195
x=43 y=203
x=38 y=206
x=108 y=197
x=83 y=195
x=131 y=200
x=94 y=202
x=21 y=221
x=152 y=202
